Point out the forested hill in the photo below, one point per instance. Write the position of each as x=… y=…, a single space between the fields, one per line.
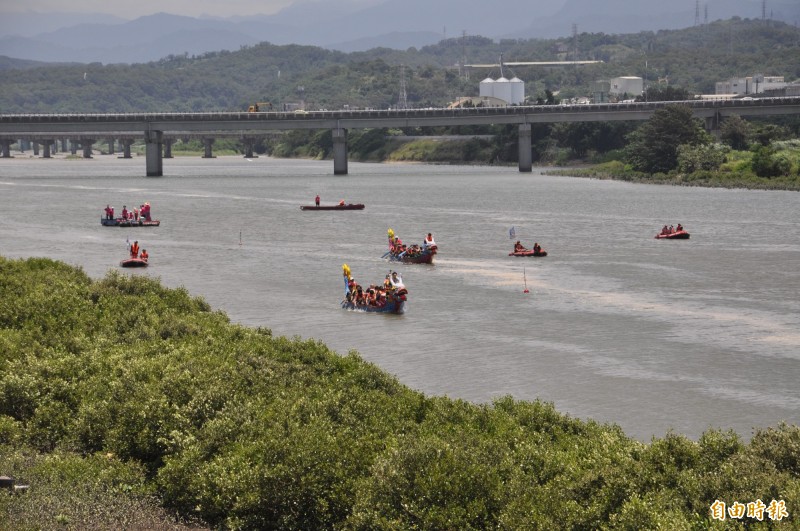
x=693 y=58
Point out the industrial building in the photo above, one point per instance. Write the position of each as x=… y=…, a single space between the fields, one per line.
x=756 y=84
x=626 y=85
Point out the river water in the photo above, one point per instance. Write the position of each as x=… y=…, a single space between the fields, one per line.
x=619 y=327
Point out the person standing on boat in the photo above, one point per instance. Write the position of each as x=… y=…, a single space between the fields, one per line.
x=135 y=249
x=109 y=212
x=396 y=280
x=124 y=212
x=316 y=200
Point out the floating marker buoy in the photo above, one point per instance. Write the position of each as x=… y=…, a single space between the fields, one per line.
x=525 y=279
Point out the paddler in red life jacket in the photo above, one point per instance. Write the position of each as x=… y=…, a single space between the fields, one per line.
x=124 y=212
x=537 y=248
x=145 y=256
x=341 y=203
x=135 y=249
x=109 y=214
x=679 y=227
x=518 y=247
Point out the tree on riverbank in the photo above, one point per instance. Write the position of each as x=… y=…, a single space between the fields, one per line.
x=653 y=147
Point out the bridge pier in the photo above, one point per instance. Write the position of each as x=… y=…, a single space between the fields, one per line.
x=87 y=144
x=712 y=125
x=36 y=149
x=5 y=144
x=155 y=164
x=126 y=147
x=168 y=147
x=46 y=148
x=339 y=151
x=110 y=146
x=64 y=147
x=524 y=146
x=249 y=143
x=207 y=143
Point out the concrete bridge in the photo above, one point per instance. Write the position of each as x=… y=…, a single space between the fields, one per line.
x=158 y=128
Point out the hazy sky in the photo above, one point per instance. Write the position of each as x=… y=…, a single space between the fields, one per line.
x=137 y=8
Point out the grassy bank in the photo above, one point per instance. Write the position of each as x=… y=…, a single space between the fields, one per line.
x=126 y=394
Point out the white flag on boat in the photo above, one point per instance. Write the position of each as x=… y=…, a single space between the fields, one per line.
x=511 y=233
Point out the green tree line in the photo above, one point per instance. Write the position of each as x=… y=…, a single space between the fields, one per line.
x=125 y=403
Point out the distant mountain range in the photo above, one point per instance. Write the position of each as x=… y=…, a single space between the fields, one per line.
x=348 y=26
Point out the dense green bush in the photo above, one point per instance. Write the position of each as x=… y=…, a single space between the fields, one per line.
x=700 y=157
x=766 y=163
x=117 y=418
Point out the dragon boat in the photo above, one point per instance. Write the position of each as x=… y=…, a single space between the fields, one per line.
x=410 y=254
x=390 y=299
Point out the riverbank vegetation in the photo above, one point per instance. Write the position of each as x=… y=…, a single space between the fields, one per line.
x=125 y=401
x=673 y=148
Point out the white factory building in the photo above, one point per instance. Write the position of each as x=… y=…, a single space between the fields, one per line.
x=630 y=85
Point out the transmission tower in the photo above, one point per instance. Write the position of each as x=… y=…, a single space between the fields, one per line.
x=464 y=54
x=575 y=42
x=697 y=13
x=403 y=103
x=705 y=16
x=763 y=9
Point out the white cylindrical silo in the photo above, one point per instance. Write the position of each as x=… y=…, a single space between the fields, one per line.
x=502 y=89
x=487 y=87
x=517 y=91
